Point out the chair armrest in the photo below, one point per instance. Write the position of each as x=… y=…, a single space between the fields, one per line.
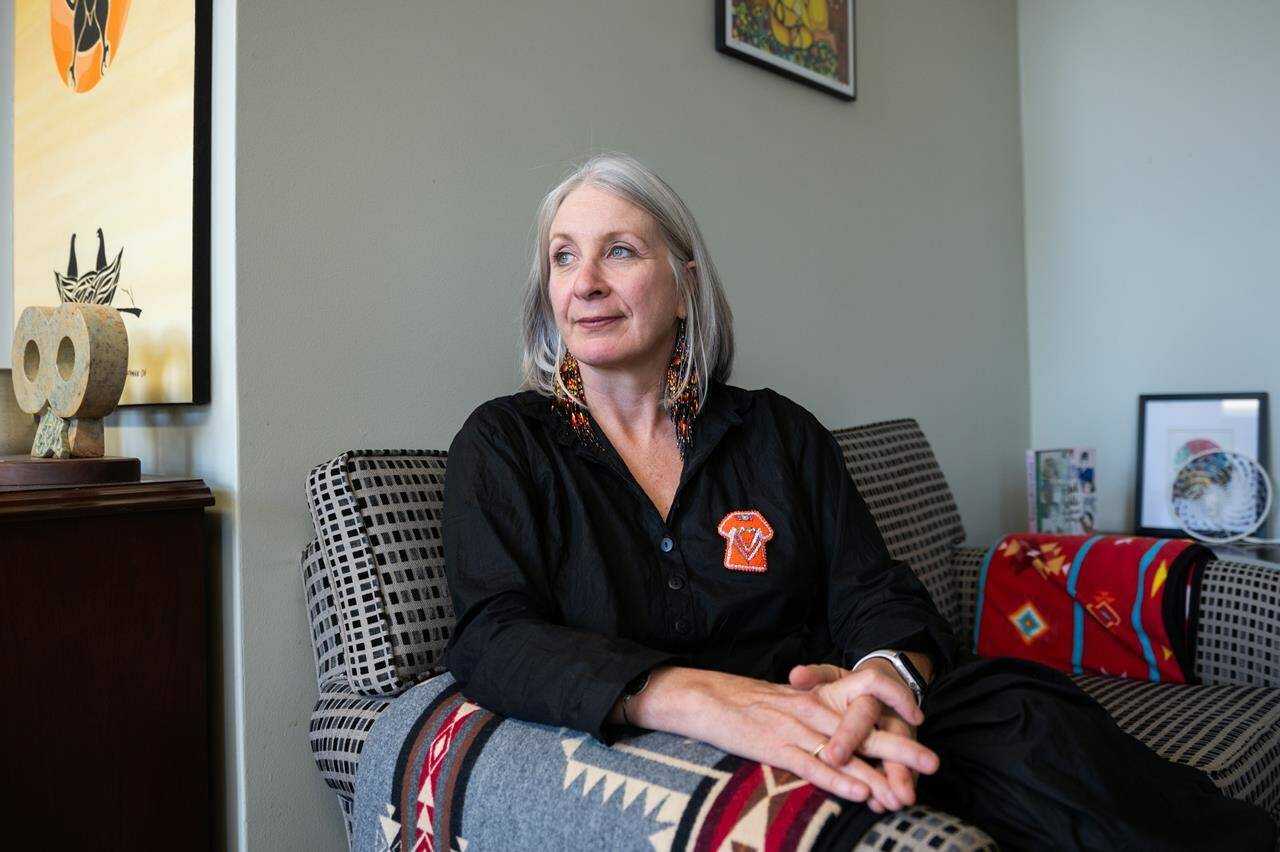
x=340 y=724
x=1238 y=641
x=966 y=564
x=500 y=778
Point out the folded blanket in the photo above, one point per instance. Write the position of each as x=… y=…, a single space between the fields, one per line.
x=441 y=773
x=1125 y=606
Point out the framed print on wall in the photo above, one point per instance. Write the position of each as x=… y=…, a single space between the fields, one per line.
x=1174 y=427
x=810 y=41
x=111 y=177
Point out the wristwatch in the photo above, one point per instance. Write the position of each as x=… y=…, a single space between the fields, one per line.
x=634 y=687
x=903 y=666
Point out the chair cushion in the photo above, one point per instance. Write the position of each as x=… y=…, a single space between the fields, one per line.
x=1232 y=733
x=1238 y=641
x=899 y=478
x=377 y=519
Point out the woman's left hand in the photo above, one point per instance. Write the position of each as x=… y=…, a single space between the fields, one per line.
x=901 y=778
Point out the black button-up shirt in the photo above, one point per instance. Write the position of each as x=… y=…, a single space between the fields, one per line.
x=567 y=583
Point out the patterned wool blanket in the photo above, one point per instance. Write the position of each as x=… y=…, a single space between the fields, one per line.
x=440 y=773
x=1113 y=605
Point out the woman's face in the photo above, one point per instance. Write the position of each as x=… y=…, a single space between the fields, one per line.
x=612 y=289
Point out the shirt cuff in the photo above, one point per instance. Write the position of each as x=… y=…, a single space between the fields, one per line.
x=938 y=645
x=606 y=691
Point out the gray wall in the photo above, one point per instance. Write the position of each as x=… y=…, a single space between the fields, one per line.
x=389 y=161
x=1152 y=153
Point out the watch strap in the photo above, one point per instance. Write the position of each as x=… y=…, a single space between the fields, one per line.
x=634 y=687
x=905 y=669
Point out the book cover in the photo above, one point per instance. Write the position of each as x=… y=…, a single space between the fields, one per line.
x=1060 y=491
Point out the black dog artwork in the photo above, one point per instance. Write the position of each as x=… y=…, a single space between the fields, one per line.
x=90 y=27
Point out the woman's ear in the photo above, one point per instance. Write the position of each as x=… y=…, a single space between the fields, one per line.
x=682 y=312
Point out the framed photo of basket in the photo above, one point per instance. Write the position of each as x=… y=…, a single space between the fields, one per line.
x=809 y=41
x=1174 y=427
x=111 y=122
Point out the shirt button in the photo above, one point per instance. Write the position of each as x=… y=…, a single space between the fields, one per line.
x=666 y=544
x=682 y=625
x=675 y=584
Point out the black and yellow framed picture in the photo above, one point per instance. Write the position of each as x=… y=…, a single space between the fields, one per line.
x=111 y=177
x=810 y=41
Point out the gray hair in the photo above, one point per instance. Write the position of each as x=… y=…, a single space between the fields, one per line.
x=708 y=322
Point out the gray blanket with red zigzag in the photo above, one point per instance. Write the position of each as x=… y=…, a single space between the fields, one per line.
x=441 y=773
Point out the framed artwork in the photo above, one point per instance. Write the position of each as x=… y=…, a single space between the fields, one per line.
x=111 y=177
x=1174 y=427
x=810 y=41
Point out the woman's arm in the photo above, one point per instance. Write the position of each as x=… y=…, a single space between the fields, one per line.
x=510 y=650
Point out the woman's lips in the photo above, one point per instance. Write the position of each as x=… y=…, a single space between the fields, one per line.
x=597 y=322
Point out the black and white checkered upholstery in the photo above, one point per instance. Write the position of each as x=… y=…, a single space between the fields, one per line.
x=922 y=828
x=1231 y=733
x=376 y=514
x=322 y=612
x=899 y=478
x=1239 y=637
x=380 y=618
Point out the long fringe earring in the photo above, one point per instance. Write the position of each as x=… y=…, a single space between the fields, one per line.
x=568 y=408
x=682 y=406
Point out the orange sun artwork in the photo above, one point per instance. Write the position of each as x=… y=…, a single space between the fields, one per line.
x=86 y=38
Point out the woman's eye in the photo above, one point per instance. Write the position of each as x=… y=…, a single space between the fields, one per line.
x=626 y=251
x=559 y=258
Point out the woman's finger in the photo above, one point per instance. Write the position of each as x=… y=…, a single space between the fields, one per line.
x=889 y=689
x=807 y=677
x=875 y=781
x=801 y=763
x=859 y=719
x=901 y=782
x=899 y=748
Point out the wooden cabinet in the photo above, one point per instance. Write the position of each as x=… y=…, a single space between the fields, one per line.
x=103 y=661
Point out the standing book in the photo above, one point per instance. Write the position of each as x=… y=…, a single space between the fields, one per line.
x=1060 y=491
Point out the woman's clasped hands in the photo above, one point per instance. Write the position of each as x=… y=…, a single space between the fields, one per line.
x=849 y=733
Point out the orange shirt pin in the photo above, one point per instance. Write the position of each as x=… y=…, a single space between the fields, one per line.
x=745 y=532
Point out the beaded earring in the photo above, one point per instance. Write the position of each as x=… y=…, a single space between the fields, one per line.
x=574 y=414
x=682 y=406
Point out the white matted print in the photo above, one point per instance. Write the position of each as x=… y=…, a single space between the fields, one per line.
x=1175 y=428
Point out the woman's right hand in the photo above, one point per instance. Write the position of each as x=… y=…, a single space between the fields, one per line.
x=782 y=726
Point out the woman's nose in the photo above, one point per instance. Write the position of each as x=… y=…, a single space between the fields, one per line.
x=590 y=280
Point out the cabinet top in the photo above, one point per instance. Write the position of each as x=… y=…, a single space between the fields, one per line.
x=153 y=493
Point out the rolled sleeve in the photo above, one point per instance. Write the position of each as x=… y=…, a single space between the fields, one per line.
x=510 y=650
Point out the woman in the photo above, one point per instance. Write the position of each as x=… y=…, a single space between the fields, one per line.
x=631 y=540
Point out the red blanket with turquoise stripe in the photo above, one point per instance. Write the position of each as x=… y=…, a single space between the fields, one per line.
x=1125 y=606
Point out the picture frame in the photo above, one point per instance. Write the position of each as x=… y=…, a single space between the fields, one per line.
x=1173 y=427
x=131 y=85
x=809 y=41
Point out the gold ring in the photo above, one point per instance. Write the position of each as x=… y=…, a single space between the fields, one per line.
x=817 y=751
